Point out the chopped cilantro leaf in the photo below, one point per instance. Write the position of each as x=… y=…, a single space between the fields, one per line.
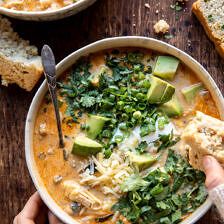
x=142 y=147
x=157 y=201
x=167 y=141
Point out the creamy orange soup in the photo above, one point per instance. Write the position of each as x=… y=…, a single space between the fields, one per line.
x=56 y=165
x=35 y=5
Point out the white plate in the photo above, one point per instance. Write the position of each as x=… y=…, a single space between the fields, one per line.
x=131 y=41
x=48 y=15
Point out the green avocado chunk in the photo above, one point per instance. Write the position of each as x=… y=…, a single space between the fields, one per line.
x=172 y=108
x=166 y=67
x=84 y=146
x=169 y=91
x=142 y=161
x=95 y=125
x=160 y=91
x=190 y=92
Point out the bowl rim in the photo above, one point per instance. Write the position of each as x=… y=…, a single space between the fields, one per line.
x=61 y=10
x=68 y=62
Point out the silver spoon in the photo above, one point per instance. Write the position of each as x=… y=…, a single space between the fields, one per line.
x=48 y=62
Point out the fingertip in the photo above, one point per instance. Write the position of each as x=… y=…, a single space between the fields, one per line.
x=210 y=164
x=214 y=172
x=33 y=206
x=207 y=162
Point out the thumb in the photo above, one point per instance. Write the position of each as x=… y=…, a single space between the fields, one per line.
x=214 y=172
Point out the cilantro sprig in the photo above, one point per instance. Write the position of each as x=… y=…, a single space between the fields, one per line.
x=163 y=196
x=120 y=94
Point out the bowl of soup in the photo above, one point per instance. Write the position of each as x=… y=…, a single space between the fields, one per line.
x=124 y=103
x=42 y=10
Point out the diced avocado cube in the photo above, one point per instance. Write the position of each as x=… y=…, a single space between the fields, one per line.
x=172 y=108
x=156 y=90
x=160 y=91
x=169 y=91
x=190 y=92
x=95 y=125
x=84 y=146
x=142 y=161
x=166 y=67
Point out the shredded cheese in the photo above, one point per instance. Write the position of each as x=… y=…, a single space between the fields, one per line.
x=111 y=173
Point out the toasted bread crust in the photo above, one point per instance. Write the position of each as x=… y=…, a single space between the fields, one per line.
x=19 y=61
x=199 y=14
x=25 y=76
x=203 y=136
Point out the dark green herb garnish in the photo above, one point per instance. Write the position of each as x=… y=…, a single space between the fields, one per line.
x=167 y=141
x=142 y=147
x=118 y=91
x=163 y=196
x=176 y=6
x=210 y=18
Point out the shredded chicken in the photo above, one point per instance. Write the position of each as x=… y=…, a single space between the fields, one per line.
x=79 y=194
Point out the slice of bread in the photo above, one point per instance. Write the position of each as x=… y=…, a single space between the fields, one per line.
x=204 y=135
x=19 y=62
x=211 y=15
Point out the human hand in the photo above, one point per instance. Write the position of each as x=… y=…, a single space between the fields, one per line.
x=35 y=212
x=215 y=182
x=214 y=172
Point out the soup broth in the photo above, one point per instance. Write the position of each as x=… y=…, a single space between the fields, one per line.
x=112 y=87
x=35 y=5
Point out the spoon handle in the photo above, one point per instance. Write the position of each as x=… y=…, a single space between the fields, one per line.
x=48 y=62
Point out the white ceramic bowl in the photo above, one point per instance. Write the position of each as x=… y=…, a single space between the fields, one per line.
x=48 y=14
x=65 y=64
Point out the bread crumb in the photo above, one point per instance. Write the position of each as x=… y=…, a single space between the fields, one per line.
x=4 y=82
x=161 y=26
x=188 y=43
x=147 y=5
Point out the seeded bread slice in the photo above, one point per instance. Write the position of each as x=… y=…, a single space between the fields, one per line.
x=19 y=62
x=204 y=135
x=211 y=15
